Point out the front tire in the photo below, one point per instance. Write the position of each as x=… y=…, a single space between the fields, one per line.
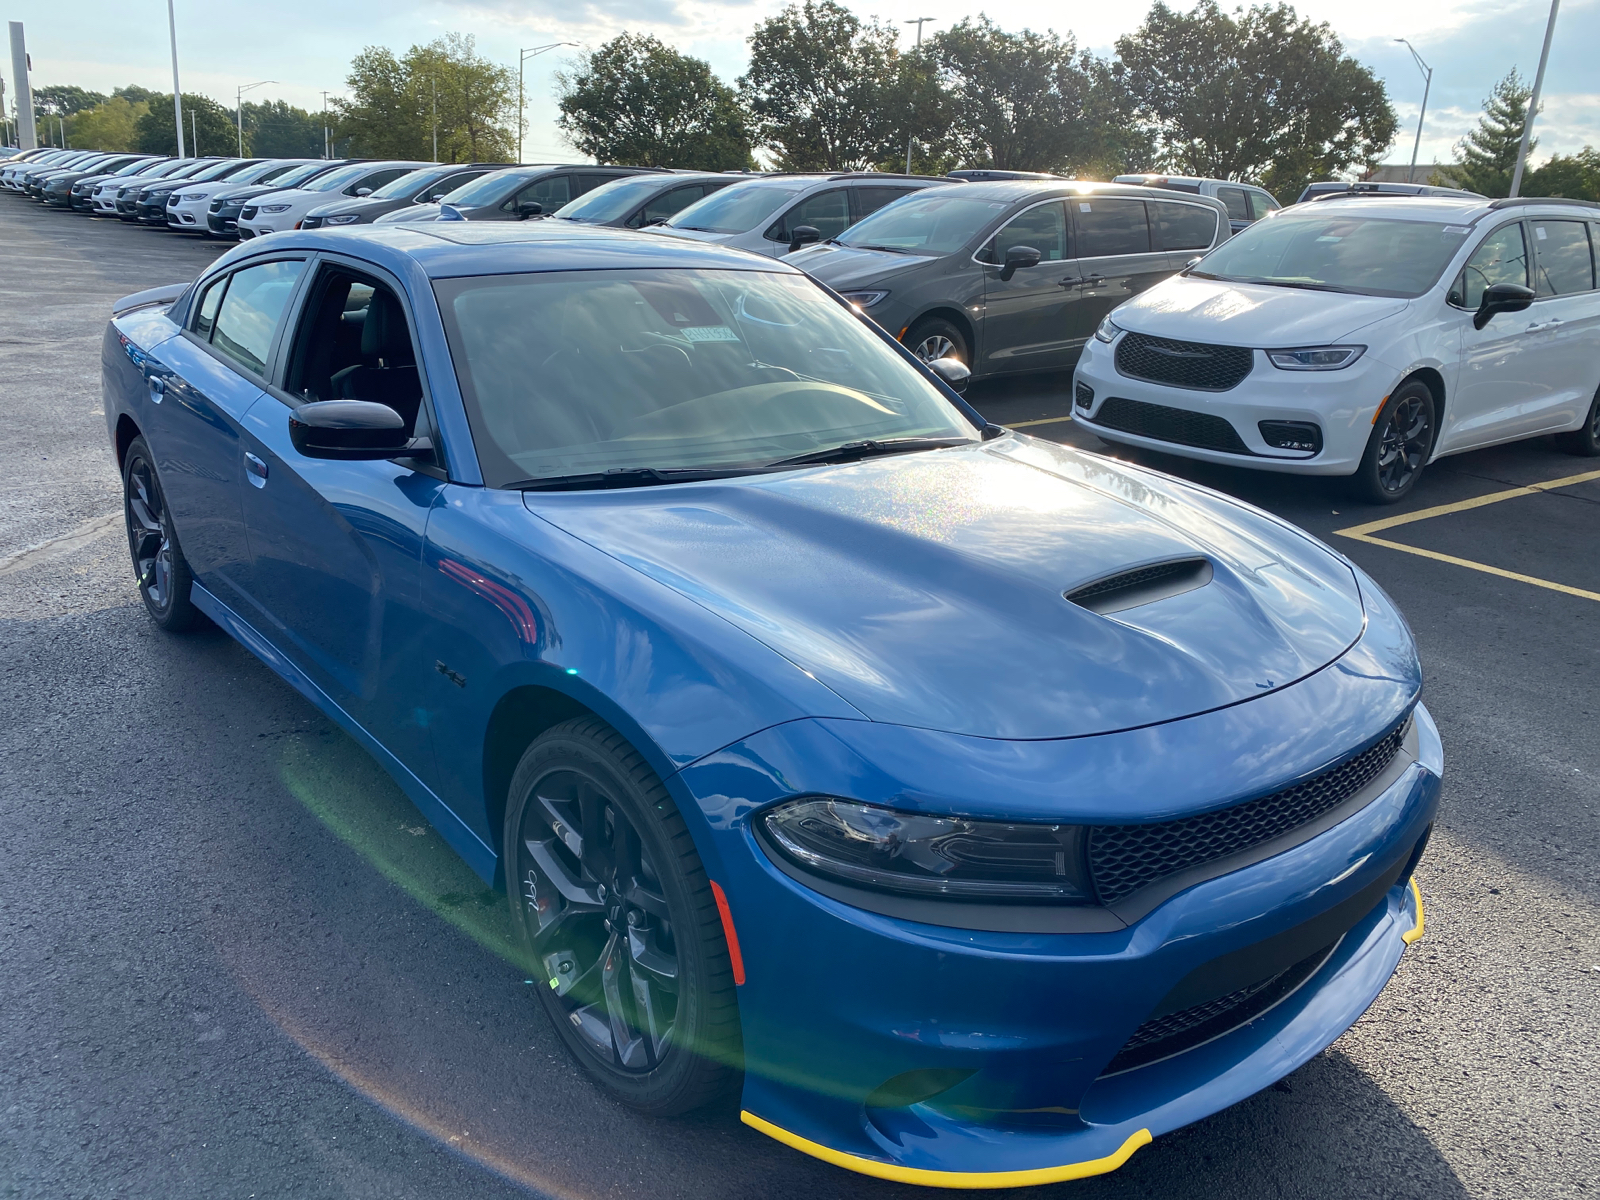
x=1402 y=439
x=165 y=581
x=935 y=337
x=1585 y=440
x=619 y=921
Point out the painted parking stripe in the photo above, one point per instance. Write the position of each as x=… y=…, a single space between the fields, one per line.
x=1042 y=421
x=1363 y=533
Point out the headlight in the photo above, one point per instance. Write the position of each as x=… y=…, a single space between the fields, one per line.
x=1107 y=331
x=952 y=858
x=274 y=208
x=344 y=219
x=1316 y=358
x=194 y=196
x=863 y=299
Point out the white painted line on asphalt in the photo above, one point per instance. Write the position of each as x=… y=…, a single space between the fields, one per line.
x=60 y=547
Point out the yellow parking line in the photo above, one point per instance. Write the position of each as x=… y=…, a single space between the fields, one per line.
x=1363 y=533
x=1042 y=421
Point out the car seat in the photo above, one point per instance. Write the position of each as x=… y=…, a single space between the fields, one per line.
x=387 y=373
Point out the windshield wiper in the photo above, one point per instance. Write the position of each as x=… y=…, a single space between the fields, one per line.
x=1303 y=284
x=621 y=477
x=883 y=249
x=852 y=451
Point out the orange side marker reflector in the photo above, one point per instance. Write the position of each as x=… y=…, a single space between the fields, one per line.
x=734 y=957
x=1379 y=413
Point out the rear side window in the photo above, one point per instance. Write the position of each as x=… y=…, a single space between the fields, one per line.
x=1502 y=258
x=252 y=311
x=1233 y=199
x=1110 y=226
x=1183 y=226
x=1261 y=204
x=1564 y=263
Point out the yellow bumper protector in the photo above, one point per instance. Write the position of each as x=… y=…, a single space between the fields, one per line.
x=1415 y=931
x=952 y=1179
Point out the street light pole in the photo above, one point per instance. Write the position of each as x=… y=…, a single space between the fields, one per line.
x=327 y=151
x=1533 y=100
x=522 y=97
x=1427 y=85
x=238 y=109
x=918 y=22
x=434 y=84
x=177 y=93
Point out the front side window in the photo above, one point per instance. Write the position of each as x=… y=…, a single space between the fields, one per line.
x=826 y=212
x=1108 y=226
x=1563 y=261
x=251 y=311
x=668 y=204
x=1233 y=199
x=377 y=179
x=579 y=372
x=1183 y=226
x=1503 y=258
x=1043 y=227
x=550 y=193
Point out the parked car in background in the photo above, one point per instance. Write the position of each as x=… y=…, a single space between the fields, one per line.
x=283 y=209
x=103 y=200
x=1365 y=337
x=187 y=204
x=1011 y=276
x=39 y=184
x=517 y=193
x=150 y=205
x=425 y=185
x=127 y=197
x=61 y=188
x=640 y=200
x=80 y=197
x=222 y=213
x=1245 y=202
x=777 y=214
x=1338 y=187
x=33 y=181
x=12 y=171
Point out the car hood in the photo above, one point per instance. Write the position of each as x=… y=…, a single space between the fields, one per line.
x=412 y=212
x=360 y=205
x=928 y=589
x=693 y=235
x=244 y=191
x=1249 y=314
x=844 y=267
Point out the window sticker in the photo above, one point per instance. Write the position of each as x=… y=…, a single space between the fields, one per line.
x=1539 y=232
x=1456 y=229
x=709 y=333
x=1083 y=207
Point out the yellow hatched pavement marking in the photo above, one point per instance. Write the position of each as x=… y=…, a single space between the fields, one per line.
x=1363 y=533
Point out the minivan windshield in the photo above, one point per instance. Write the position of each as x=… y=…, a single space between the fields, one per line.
x=926 y=222
x=735 y=209
x=410 y=182
x=299 y=175
x=615 y=199
x=572 y=373
x=488 y=189
x=334 y=180
x=1340 y=251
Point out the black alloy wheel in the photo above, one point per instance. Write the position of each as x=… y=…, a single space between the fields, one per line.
x=617 y=915
x=938 y=338
x=1584 y=440
x=158 y=563
x=1402 y=438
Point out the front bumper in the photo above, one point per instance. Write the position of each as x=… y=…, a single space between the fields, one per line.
x=1342 y=404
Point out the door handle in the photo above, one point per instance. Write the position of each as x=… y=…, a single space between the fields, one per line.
x=158 y=388
x=1070 y=281
x=1094 y=280
x=256 y=470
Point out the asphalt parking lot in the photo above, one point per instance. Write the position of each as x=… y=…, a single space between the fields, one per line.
x=234 y=960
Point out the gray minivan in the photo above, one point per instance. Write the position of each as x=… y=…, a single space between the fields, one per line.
x=1011 y=276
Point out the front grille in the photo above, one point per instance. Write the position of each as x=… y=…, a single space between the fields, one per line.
x=1125 y=858
x=1164 y=424
x=1183 y=364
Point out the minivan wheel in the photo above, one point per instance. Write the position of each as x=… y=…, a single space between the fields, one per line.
x=936 y=337
x=158 y=563
x=1585 y=440
x=1402 y=438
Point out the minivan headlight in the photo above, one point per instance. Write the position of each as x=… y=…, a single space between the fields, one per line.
x=274 y=208
x=863 y=299
x=1315 y=358
x=1107 y=331
x=343 y=219
x=949 y=858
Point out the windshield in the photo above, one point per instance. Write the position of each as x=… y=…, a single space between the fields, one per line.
x=735 y=209
x=136 y=167
x=221 y=170
x=1338 y=251
x=617 y=198
x=270 y=171
x=927 y=222
x=572 y=372
x=411 y=181
x=488 y=189
x=334 y=180
x=299 y=175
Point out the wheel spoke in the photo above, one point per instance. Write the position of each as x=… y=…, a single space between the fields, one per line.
x=629 y=1047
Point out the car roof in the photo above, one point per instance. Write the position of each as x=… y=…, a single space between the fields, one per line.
x=1021 y=189
x=1403 y=207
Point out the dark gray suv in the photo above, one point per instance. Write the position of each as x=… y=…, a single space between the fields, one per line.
x=1011 y=276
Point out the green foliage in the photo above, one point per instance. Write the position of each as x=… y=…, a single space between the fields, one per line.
x=133 y=93
x=1260 y=95
x=277 y=129
x=63 y=100
x=821 y=88
x=390 y=112
x=1576 y=176
x=1487 y=157
x=207 y=127
x=639 y=102
x=113 y=125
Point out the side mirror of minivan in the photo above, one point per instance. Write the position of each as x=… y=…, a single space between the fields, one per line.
x=348 y=430
x=1501 y=298
x=803 y=235
x=1192 y=263
x=1018 y=257
x=363 y=191
x=953 y=371
x=529 y=208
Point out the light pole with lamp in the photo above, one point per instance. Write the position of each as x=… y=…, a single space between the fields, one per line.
x=1533 y=100
x=177 y=94
x=1427 y=84
x=522 y=97
x=238 y=107
x=919 y=22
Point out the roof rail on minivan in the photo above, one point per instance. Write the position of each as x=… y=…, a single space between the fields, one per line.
x=1519 y=201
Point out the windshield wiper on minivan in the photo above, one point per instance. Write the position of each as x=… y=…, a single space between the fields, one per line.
x=621 y=477
x=884 y=249
x=851 y=451
x=1304 y=284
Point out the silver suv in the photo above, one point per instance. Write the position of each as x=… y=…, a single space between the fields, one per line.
x=1245 y=202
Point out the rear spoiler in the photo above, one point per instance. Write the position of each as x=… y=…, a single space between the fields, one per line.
x=165 y=294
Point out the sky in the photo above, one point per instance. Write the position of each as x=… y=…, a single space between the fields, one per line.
x=307 y=45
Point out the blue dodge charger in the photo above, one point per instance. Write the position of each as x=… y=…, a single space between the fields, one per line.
x=977 y=807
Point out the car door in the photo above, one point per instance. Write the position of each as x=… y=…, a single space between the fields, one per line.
x=1567 y=315
x=1501 y=386
x=1027 y=319
x=336 y=545
x=202 y=384
x=1116 y=257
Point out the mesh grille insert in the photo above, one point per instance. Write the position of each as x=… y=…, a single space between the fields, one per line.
x=1183 y=364
x=1124 y=858
x=1165 y=424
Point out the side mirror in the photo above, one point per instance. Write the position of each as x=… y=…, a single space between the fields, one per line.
x=348 y=430
x=953 y=371
x=529 y=208
x=1501 y=298
x=1018 y=257
x=434 y=199
x=363 y=191
x=1192 y=263
x=803 y=235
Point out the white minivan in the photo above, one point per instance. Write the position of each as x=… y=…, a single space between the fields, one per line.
x=1362 y=335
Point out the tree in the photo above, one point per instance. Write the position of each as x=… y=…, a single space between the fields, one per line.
x=637 y=101
x=1487 y=157
x=277 y=129
x=1575 y=176
x=113 y=125
x=64 y=100
x=133 y=93
x=820 y=91
x=207 y=127
x=1259 y=95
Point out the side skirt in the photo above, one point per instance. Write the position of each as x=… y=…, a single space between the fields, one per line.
x=480 y=857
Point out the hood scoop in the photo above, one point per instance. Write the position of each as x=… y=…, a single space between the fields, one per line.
x=1142 y=585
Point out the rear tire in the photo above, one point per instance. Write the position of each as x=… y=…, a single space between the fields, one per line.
x=935 y=337
x=1584 y=441
x=1402 y=439
x=165 y=581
